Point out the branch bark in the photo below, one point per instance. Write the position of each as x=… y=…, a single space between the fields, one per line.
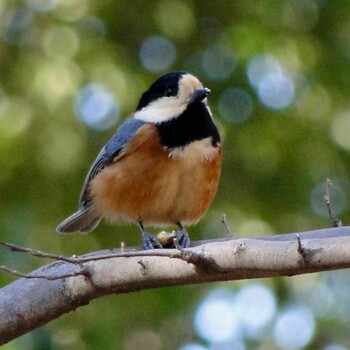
x=27 y=304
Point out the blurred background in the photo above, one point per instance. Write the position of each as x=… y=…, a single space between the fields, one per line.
x=72 y=70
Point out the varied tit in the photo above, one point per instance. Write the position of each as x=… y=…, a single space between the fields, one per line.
x=161 y=167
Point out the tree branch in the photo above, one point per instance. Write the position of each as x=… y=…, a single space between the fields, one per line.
x=129 y=269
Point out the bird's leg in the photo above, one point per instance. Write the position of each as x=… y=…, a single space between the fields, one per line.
x=182 y=236
x=149 y=241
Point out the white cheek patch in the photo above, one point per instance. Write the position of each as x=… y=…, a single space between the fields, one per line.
x=161 y=110
x=167 y=108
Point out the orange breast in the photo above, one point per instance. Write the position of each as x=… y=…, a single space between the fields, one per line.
x=147 y=182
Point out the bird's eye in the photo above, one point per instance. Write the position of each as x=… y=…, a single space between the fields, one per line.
x=169 y=92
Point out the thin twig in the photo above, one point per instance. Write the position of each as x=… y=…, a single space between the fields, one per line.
x=46 y=277
x=227 y=226
x=335 y=221
x=169 y=253
x=177 y=245
x=185 y=254
x=300 y=248
x=38 y=253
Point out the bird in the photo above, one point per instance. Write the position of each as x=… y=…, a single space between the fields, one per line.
x=160 y=168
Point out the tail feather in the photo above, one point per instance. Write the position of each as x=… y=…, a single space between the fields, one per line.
x=84 y=220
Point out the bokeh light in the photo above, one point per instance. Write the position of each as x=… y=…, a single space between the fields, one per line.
x=335 y=347
x=157 y=54
x=218 y=62
x=236 y=105
x=340 y=130
x=314 y=103
x=15 y=118
x=16 y=25
x=193 y=346
x=55 y=80
x=338 y=198
x=42 y=5
x=227 y=318
x=61 y=42
x=321 y=299
x=180 y=26
x=253 y=226
x=215 y=319
x=97 y=107
x=295 y=327
x=234 y=344
x=255 y=307
x=275 y=87
x=66 y=337
x=63 y=141
x=276 y=91
x=300 y=15
x=73 y=10
x=93 y=27
x=143 y=339
x=260 y=66
x=338 y=282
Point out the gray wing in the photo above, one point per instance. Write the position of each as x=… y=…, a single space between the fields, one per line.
x=108 y=154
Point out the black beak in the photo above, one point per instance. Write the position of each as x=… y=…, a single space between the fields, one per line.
x=199 y=95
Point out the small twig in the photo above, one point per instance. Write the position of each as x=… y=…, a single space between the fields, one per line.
x=306 y=253
x=335 y=221
x=143 y=266
x=227 y=227
x=300 y=248
x=169 y=253
x=46 y=277
x=38 y=253
x=185 y=254
x=178 y=246
x=142 y=263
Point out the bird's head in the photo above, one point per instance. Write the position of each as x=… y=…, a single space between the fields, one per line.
x=169 y=96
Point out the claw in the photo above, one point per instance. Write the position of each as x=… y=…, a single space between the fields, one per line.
x=149 y=241
x=182 y=236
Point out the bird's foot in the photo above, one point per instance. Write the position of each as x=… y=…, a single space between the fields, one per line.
x=150 y=241
x=182 y=237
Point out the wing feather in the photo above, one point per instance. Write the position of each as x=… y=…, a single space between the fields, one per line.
x=108 y=154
